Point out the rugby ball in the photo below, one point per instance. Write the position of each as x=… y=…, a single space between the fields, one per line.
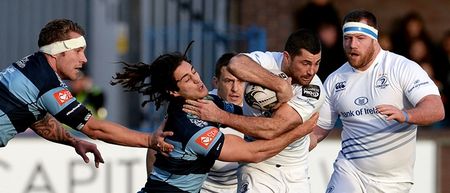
x=261 y=98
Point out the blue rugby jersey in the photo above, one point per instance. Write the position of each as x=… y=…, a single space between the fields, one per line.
x=30 y=88
x=197 y=145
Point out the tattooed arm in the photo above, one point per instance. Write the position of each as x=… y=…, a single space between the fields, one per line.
x=52 y=130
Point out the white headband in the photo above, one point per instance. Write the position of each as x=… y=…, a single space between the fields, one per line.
x=62 y=46
x=358 y=27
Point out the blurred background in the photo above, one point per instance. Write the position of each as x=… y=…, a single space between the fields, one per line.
x=141 y=30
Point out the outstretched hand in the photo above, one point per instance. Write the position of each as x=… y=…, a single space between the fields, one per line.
x=204 y=109
x=158 y=142
x=82 y=147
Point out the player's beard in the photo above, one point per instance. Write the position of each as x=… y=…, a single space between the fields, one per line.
x=364 y=58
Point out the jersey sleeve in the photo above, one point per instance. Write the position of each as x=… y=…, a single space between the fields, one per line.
x=207 y=142
x=60 y=103
x=308 y=99
x=415 y=82
x=328 y=115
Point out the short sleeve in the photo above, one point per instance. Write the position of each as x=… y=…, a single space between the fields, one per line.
x=60 y=103
x=207 y=142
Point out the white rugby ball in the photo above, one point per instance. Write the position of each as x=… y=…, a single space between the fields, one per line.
x=262 y=98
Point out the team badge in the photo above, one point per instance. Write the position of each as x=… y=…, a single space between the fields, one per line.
x=62 y=96
x=382 y=82
x=206 y=138
x=361 y=101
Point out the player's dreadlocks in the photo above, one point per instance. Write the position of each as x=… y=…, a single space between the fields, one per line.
x=160 y=73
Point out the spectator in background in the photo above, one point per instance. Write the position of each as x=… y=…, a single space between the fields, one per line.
x=385 y=42
x=408 y=28
x=411 y=31
x=322 y=18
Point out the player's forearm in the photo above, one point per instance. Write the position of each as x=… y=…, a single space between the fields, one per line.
x=245 y=69
x=116 y=134
x=269 y=148
x=316 y=136
x=258 y=127
x=429 y=110
x=51 y=129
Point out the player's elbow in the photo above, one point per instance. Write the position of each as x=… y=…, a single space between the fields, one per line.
x=441 y=114
x=92 y=129
x=235 y=63
x=91 y=133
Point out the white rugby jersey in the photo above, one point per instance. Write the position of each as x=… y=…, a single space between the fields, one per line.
x=306 y=101
x=382 y=149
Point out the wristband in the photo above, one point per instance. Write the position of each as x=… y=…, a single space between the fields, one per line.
x=406 y=116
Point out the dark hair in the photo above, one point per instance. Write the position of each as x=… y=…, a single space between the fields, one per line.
x=359 y=14
x=160 y=72
x=223 y=61
x=58 y=30
x=302 y=39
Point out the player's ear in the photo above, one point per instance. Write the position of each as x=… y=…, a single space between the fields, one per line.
x=286 y=56
x=215 y=81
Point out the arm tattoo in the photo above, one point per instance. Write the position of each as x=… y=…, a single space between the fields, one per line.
x=52 y=130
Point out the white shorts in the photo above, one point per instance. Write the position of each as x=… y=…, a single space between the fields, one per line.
x=209 y=187
x=346 y=178
x=265 y=178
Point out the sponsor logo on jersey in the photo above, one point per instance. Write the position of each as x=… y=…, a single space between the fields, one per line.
x=195 y=120
x=417 y=83
x=312 y=91
x=207 y=137
x=361 y=101
x=359 y=112
x=62 y=96
x=22 y=62
x=340 y=86
x=382 y=82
